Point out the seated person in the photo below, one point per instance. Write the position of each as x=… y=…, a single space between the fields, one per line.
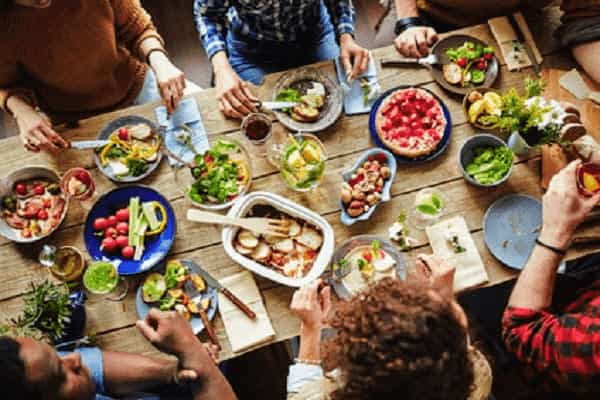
x=580 y=30
x=559 y=343
x=75 y=58
x=247 y=39
x=395 y=340
x=33 y=370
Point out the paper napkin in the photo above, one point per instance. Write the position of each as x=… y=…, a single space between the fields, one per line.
x=505 y=35
x=354 y=95
x=244 y=333
x=186 y=115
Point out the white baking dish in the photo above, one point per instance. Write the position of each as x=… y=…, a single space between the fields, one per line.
x=244 y=205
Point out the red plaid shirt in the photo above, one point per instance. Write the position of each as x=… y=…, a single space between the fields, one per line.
x=564 y=347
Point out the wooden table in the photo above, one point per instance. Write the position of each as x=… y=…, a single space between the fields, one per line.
x=113 y=322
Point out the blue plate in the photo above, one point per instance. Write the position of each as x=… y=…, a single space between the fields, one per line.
x=143 y=308
x=405 y=160
x=385 y=194
x=157 y=246
x=510 y=227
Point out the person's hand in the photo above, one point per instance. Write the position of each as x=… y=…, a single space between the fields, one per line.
x=416 y=41
x=36 y=133
x=354 y=58
x=234 y=95
x=170 y=80
x=171 y=333
x=437 y=273
x=564 y=208
x=311 y=306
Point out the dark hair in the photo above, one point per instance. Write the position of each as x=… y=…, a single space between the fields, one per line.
x=397 y=341
x=12 y=370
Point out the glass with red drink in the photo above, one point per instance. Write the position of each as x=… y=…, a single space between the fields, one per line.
x=588 y=179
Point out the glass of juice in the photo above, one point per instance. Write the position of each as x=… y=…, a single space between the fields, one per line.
x=429 y=207
x=78 y=184
x=102 y=277
x=588 y=179
x=302 y=162
x=68 y=264
x=257 y=129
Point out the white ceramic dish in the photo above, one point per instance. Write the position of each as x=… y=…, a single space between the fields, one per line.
x=293 y=209
x=22 y=174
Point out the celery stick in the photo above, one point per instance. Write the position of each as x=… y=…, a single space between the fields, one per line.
x=134 y=206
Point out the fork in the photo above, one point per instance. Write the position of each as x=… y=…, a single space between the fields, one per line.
x=431 y=59
x=265 y=226
x=196 y=297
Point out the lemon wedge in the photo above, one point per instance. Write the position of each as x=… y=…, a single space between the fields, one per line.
x=476 y=110
x=493 y=102
x=590 y=182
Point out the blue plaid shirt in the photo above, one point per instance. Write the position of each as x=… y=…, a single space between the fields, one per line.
x=273 y=20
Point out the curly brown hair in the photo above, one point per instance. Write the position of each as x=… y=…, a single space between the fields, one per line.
x=399 y=341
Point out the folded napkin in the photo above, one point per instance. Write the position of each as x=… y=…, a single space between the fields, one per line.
x=354 y=94
x=470 y=271
x=505 y=35
x=244 y=333
x=176 y=134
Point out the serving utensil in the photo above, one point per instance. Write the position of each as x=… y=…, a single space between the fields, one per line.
x=196 y=297
x=88 y=144
x=265 y=226
x=431 y=59
x=211 y=281
x=276 y=105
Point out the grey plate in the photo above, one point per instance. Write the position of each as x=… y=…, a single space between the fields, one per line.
x=510 y=227
x=110 y=128
x=330 y=112
x=359 y=241
x=454 y=41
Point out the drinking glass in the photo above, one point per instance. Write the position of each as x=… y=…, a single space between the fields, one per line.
x=257 y=129
x=70 y=181
x=429 y=208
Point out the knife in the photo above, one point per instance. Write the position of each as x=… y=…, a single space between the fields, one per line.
x=521 y=38
x=276 y=105
x=215 y=283
x=431 y=59
x=196 y=297
x=88 y=144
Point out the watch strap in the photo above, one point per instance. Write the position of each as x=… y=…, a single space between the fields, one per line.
x=556 y=250
x=403 y=24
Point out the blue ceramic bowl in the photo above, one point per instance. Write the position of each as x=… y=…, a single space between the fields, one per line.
x=467 y=154
x=385 y=194
x=157 y=246
x=405 y=160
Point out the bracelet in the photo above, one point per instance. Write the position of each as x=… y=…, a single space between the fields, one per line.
x=403 y=24
x=159 y=49
x=305 y=361
x=556 y=250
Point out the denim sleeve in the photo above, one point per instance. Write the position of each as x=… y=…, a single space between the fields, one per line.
x=91 y=357
x=342 y=15
x=301 y=374
x=210 y=16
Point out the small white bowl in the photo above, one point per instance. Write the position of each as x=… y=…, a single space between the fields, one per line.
x=244 y=205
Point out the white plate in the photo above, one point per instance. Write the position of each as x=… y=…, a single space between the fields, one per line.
x=244 y=205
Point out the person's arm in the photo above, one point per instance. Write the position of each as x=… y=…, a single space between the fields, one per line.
x=171 y=333
x=35 y=130
x=586 y=56
x=415 y=38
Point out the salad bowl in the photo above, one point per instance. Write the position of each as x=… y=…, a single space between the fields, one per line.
x=467 y=154
x=385 y=194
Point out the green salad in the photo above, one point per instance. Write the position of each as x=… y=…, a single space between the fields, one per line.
x=302 y=163
x=220 y=174
x=490 y=164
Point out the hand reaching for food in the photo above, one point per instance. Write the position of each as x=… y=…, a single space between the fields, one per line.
x=171 y=81
x=437 y=273
x=35 y=130
x=416 y=41
x=354 y=58
x=312 y=305
x=235 y=98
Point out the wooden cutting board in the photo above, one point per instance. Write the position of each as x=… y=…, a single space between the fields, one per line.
x=590 y=112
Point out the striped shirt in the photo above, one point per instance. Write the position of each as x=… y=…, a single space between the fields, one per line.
x=270 y=20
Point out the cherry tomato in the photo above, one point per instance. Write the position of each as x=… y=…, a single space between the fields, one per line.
x=481 y=65
x=26 y=233
x=462 y=62
x=43 y=215
x=21 y=189
x=108 y=244
x=111 y=221
x=84 y=177
x=208 y=158
x=122 y=228
x=127 y=252
x=100 y=224
x=123 y=133
x=122 y=215
x=488 y=56
x=367 y=256
x=110 y=232
x=47 y=203
x=122 y=241
x=38 y=189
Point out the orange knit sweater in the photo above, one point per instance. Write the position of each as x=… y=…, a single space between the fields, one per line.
x=76 y=57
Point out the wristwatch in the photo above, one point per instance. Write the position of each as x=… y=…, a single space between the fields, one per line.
x=403 y=24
